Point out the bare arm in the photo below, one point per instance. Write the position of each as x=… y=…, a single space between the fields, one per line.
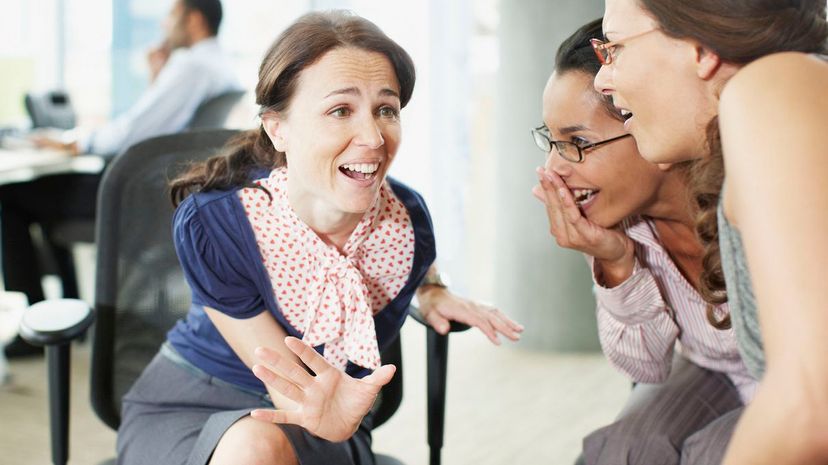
x=773 y=117
x=245 y=335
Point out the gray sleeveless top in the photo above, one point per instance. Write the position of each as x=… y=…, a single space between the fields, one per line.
x=741 y=301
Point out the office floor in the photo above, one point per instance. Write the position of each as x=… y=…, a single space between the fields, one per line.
x=504 y=404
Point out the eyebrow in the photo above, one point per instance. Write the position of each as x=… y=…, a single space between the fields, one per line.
x=385 y=92
x=571 y=129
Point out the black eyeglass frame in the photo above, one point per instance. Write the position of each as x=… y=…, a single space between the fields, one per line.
x=560 y=145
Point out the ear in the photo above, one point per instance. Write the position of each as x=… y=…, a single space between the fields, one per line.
x=276 y=129
x=195 y=20
x=665 y=166
x=707 y=62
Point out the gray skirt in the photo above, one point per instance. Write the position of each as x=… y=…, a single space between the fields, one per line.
x=176 y=413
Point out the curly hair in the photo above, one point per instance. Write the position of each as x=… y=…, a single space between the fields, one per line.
x=738 y=31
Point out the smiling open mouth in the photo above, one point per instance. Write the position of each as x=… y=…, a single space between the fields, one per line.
x=583 y=196
x=360 y=171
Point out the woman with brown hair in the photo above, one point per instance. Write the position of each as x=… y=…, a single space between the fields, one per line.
x=633 y=221
x=296 y=232
x=743 y=85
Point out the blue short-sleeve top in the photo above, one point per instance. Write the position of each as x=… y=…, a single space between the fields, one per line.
x=222 y=264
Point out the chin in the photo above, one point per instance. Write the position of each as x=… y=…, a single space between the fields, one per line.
x=603 y=219
x=358 y=205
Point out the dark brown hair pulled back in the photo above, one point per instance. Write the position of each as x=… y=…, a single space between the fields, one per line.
x=299 y=46
x=739 y=31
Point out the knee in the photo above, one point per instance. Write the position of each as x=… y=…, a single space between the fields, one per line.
x=630 y=443
x=252 y=442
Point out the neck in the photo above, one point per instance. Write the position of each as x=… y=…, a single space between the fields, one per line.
x=333 y=226
x=198 y=36
x=194 y=36
x=673 y=217
x=671 y=201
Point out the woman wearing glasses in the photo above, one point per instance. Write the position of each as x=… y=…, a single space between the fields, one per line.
x=632 y=219
x=743 y=85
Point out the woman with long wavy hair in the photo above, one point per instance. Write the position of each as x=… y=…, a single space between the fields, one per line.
x=744 y=86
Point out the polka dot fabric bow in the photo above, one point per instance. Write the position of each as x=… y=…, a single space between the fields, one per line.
x=331 y=297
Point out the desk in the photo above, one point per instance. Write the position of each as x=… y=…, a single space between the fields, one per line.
x=21 y=165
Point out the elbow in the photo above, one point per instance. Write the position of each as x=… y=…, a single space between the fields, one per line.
x=801 y=404
x=813 y=442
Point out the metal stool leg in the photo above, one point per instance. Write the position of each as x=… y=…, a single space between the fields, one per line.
x=57 y=357
x=437 y=362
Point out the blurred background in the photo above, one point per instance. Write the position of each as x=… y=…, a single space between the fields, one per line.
x=481 y=68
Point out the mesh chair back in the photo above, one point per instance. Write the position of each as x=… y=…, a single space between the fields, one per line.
x=140 y=290
x=213 y=113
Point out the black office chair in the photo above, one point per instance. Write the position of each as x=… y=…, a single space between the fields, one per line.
x=213 y=113
x=140 y=293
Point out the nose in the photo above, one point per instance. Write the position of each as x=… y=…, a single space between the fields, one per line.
x=369 y=133
x=556 y=163
x=603 y=81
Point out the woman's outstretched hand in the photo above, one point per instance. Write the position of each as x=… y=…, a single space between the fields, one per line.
x=439 y=307
x=613 y=250
x=331 y=404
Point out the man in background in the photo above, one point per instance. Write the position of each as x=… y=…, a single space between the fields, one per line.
x=187 y=69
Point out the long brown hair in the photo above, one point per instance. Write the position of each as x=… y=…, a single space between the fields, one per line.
x=738 y=31
x=299 y=46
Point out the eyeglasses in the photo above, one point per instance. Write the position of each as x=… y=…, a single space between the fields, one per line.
x=604 y=50
x=569 y=151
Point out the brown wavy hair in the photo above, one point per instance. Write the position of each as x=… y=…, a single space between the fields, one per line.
x=738 y=31
x=299 y=46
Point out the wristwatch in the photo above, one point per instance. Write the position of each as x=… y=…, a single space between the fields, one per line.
x=435 y=279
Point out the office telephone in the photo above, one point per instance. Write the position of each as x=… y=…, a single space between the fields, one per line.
x=50 y=110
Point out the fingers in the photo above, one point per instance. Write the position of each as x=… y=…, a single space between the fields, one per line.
x=504 y=325
x=308 y=355
x=569 y=209
x=552 y=202
x=558 y=226
x=486 y=327
x=438 y=322
x=539 y=193
x=381 y=376
x=292 y=417
x=284 y=366
x=281 y=385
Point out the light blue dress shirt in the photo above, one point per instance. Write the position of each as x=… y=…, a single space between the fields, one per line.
x=190 y=76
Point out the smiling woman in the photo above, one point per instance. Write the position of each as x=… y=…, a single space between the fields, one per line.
x=727 y=70
x=632 y=219
x=296 y=231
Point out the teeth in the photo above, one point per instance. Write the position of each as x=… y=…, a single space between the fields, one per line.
x=625 y=112
x=582 y=195
x=366 y=168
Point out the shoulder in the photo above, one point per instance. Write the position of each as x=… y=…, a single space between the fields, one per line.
x=778 y=78
x=209 y=209
x=782 y=98
x=413 y=201
x=408 y=196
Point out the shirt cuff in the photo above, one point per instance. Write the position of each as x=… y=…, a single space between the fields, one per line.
x=636 y=300
x=84 y=141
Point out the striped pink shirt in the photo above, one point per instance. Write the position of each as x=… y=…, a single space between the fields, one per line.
x=655 y=310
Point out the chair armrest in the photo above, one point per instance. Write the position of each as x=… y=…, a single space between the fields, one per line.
x=55 y=321
x=455 y=326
